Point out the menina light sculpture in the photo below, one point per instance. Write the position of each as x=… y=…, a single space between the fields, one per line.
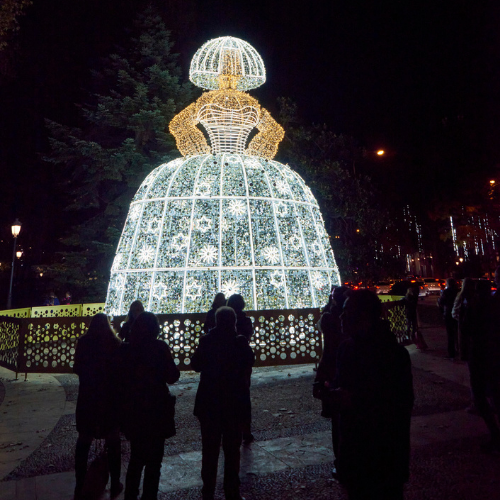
x=223 y=218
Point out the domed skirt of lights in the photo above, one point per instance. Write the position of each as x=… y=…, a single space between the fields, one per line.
x=225 y=222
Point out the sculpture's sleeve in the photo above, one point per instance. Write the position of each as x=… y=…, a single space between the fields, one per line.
x=265 y=143
x=189 y=139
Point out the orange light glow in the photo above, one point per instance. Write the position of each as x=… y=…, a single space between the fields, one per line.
x=381 y=152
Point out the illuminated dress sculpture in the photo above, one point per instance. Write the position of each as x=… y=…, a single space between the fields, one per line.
x=223 y=218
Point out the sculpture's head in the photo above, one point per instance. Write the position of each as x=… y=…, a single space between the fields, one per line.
x=227 y=63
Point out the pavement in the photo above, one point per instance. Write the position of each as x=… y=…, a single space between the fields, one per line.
x=292 y=455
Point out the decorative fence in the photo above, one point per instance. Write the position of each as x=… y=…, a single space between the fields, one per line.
x=47 y=344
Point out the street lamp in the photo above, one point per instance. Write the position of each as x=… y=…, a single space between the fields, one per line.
x=16 y=229
x=19 y=254
x=381 y=152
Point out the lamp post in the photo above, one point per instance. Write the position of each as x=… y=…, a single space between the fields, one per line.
x=16 y=229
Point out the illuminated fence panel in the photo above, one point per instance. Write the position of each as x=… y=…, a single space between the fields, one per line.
x=10 y=330
x=49 y=344
x=92 y=309
x=25 y=312
x=281 y=337
x=395 y=313
x=72 y=310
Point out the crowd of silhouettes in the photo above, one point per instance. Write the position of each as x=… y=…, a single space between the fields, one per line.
x=472 y=318
x=364 y=382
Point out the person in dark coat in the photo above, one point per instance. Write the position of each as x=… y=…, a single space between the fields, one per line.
x=222 y=402
x=324 y=382
x=459 y=313
x=445 y=303
x=219 y=301
x=97 y=407
x=243 y=327
x=243 y=322
x=135 y=309
x=410 y=301
x=376 y=398
x=147 y=368
x=477 y=323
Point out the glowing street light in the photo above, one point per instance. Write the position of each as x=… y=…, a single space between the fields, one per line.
x=19 y=254
x=380 y=152
x=16 y=229
x=492 y=182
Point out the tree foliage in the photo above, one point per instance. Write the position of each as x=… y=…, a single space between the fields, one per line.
x=356 y=220
x=10 y=11
x=137 y=91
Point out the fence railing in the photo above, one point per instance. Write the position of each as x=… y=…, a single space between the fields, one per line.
x=73 y=310
x=281 y=337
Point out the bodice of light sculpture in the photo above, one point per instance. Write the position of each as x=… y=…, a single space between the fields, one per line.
x=227 y=113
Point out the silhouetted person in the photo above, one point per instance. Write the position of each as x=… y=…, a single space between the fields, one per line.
x=410 y=301
x=147 y=368
x=329 y=325
x=222 y=401
x=376 y=398
x=445 y=303
x=477 y=321
x=66 y=300
x=459 y=313
x=219 y=301
x=243 y=327
x=135 y=309
x=97 y=408
x=243 y=323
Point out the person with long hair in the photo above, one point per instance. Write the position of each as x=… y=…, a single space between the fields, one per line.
x=97 y=408
x=135 y=309
x=147 y=368
x=219 y=301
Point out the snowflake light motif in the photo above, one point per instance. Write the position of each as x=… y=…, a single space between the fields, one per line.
x=295 y=242
x=193 y=290
x=317 y=248
x=203 y=224
x=281 y=209
x=120 y=281
x=282 y=187
x=179 y=241
x=230 y=287
x=208 y=254
x=117 y=261
x=252 y=163
x=153 y=226
x=203 y=189
x=160 y=291
x=317 y=280
x=224 y=225
x=271 y=254
x=146 y=253
x=135 y=211
x=277 y=279
x=237 y=207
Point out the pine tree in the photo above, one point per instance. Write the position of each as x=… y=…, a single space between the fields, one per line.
x=124 y=136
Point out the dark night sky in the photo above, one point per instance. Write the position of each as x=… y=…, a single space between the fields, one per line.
x=394 y=74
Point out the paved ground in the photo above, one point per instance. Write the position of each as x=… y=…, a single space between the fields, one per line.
x=292 y=455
